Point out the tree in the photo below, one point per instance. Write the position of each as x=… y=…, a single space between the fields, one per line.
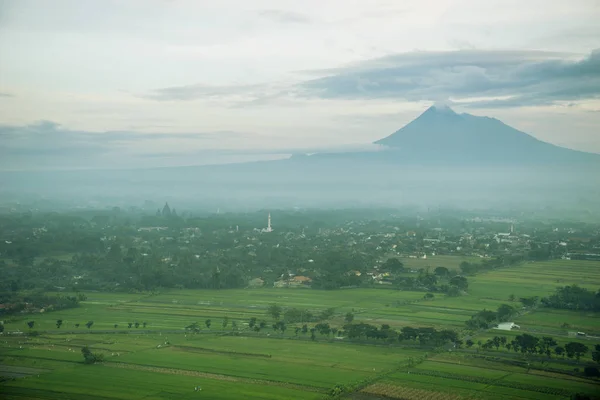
x=349 y=317
x=31 y=324
x=467 y=268
x=460 y=282
x=89 y=324
x=469 y=343
x=297 y=330
x=559 y=351
x=207 y=323
x=511 y=297
x=428 y=296
x=59 y=323
x=76 y=325
x=136 y=324
x=327 y=313
x=591 y=371
x=575 y=349
x=262 y=324
x=129 y=325
x=527 y=343
x=304 y=329
x=393 y=265
x=225 y=322
x=596 y=354
x=89 y=357
x=496 y=342
x=116 y=326
x=274 y=311
x=441 y=271
x=144 y=324
x=252 y=322
x=529 y=302
x=234 y=325
x=504 y=312
x=548 y=342
x=323 y=328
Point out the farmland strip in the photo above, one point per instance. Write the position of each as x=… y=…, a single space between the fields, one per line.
x=174 y=371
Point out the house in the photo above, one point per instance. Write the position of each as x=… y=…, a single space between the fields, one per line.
x=256 y=282
x=301 y=280
x=296 y=281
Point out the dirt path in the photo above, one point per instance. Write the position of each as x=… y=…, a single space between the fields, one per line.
x=219 y=377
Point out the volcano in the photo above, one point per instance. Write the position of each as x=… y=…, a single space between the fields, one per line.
x=440 y=135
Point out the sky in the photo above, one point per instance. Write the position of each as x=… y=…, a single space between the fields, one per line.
x=137 y=83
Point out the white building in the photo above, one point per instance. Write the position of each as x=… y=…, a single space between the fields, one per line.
x=507 y=326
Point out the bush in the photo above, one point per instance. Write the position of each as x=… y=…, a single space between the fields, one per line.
x=91 y=358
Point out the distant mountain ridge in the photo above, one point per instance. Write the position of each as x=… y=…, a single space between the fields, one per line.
x=440 y=158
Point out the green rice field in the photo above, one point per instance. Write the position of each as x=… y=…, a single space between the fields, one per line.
x=164 y=361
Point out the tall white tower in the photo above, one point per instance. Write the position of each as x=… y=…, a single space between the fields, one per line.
x=269 y=223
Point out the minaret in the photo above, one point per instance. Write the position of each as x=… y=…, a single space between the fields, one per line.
x=269 y=223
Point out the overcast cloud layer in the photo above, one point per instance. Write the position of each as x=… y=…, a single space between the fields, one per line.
x=171 y=82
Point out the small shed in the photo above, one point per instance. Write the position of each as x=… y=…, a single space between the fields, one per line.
x=507 y=326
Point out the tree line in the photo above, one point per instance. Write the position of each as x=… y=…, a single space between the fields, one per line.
x=573 y=298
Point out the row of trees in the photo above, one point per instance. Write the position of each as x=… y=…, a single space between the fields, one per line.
x=424 y=336
x=532 y=345
x=293 y=314
x=468 y=268
x=573 y=298
x=89 y=324
x=431 y=282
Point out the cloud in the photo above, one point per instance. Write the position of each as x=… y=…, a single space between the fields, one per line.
x=4 y=94
x=505 y=78
x=49 y=138
x=285 y=17
x=201 y=91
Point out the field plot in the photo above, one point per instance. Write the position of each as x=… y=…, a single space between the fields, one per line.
x=99 y=382
x=465 y=378
x=538 y=278
x=561 y=321
x=319 y=365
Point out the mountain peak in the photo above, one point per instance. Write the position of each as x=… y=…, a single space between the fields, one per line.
x=441 y=107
